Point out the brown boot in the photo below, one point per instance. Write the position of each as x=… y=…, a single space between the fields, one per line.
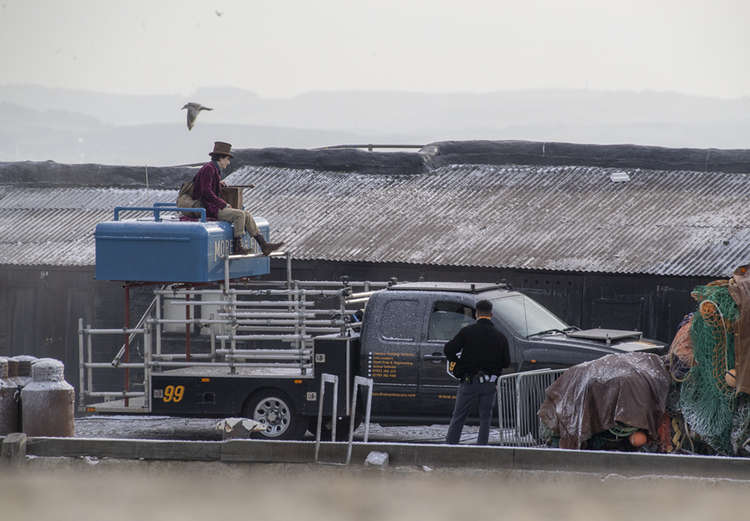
x=267 y=247
x=238 y=249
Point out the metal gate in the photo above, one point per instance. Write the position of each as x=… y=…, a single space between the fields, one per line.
x=519 y=396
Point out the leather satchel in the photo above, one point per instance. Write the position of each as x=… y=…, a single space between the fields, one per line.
x=185 y=200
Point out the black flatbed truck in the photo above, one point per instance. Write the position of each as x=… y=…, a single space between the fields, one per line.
x=403 y=329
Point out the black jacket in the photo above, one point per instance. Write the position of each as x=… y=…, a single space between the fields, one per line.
x=482 y=347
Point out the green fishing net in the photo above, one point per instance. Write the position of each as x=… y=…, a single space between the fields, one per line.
x=706 y=400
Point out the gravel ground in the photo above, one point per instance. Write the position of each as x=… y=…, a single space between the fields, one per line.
x=168 y=428
x=65 y=489
x=79 y=489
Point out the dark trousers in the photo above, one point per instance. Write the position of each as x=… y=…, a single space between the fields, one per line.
x=468 y=394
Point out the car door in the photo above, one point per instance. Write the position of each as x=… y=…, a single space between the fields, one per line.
x=446 y=316
x=390 y=356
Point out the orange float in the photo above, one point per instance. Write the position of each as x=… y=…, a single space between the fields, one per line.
x=638 y=439
x=731 y=378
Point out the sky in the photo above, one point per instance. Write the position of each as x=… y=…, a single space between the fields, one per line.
x=281 y=48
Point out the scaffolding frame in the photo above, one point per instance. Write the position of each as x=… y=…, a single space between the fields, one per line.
x=280 y=313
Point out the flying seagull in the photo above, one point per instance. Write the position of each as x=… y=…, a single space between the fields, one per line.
x=192 y=112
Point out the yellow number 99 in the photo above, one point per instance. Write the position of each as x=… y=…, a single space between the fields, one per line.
x=173 y=393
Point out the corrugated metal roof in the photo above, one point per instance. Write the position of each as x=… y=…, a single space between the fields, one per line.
x=55 y=226
x=533 y=217
x=82 y=198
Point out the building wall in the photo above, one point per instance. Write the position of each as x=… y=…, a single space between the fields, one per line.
x=39 y=308
x=648 y=303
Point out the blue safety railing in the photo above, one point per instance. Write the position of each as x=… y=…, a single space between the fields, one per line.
x=158 y=208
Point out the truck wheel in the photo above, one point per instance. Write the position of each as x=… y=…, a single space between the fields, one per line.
x=274 y=409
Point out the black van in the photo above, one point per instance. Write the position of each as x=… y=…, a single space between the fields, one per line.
x=406 y=326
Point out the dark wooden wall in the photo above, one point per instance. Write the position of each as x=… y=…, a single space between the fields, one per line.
x=649 y=303
x=39 y=308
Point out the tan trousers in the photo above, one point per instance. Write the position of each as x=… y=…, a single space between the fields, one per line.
x=240 y=219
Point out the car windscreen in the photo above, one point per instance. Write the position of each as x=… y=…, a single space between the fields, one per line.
x=526 y=316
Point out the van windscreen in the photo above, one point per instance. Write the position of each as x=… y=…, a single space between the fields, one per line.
x=526 y=316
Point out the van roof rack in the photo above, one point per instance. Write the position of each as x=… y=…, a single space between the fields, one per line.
x=458 y=287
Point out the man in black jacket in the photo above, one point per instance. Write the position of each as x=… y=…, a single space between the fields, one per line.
x=484 y=355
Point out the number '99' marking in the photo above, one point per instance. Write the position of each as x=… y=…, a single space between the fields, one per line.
x=173 y=393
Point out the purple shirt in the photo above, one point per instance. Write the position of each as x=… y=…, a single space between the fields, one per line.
x=207 y=187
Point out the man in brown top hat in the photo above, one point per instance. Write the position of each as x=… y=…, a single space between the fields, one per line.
x=206 y=189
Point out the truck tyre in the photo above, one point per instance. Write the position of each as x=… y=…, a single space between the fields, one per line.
x=275 y=410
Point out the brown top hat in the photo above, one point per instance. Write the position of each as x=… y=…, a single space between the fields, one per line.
x=222 y=148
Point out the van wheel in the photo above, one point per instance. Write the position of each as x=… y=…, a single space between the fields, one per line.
x=274 y=409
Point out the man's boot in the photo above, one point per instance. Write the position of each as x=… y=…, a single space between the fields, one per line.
x=238 y=249
x=267 y=247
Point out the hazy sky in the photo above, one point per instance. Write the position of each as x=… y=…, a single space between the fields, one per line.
x=281 y=48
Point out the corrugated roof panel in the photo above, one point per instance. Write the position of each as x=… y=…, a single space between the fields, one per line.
x=48 y=253
x=565 y=218
x=81 y=198
x=534 y=217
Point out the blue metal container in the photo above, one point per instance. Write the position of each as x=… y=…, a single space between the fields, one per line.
x=156 y=249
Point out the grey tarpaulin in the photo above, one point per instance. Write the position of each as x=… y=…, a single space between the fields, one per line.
x=616 y=156
x=434 y=155
x=49 y=174
x=341 y=160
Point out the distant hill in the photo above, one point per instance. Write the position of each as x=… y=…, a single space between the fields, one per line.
x=65 y=137
x=115 y=109
x=76 y=126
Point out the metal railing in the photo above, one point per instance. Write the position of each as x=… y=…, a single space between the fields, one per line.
x=324 y=379
x=519 y=396
x=87 y=366
x=369 y=146
x=252 y=325
x=359 y=381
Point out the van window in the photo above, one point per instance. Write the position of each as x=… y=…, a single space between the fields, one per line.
x=399 y=320
x=447 y=319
